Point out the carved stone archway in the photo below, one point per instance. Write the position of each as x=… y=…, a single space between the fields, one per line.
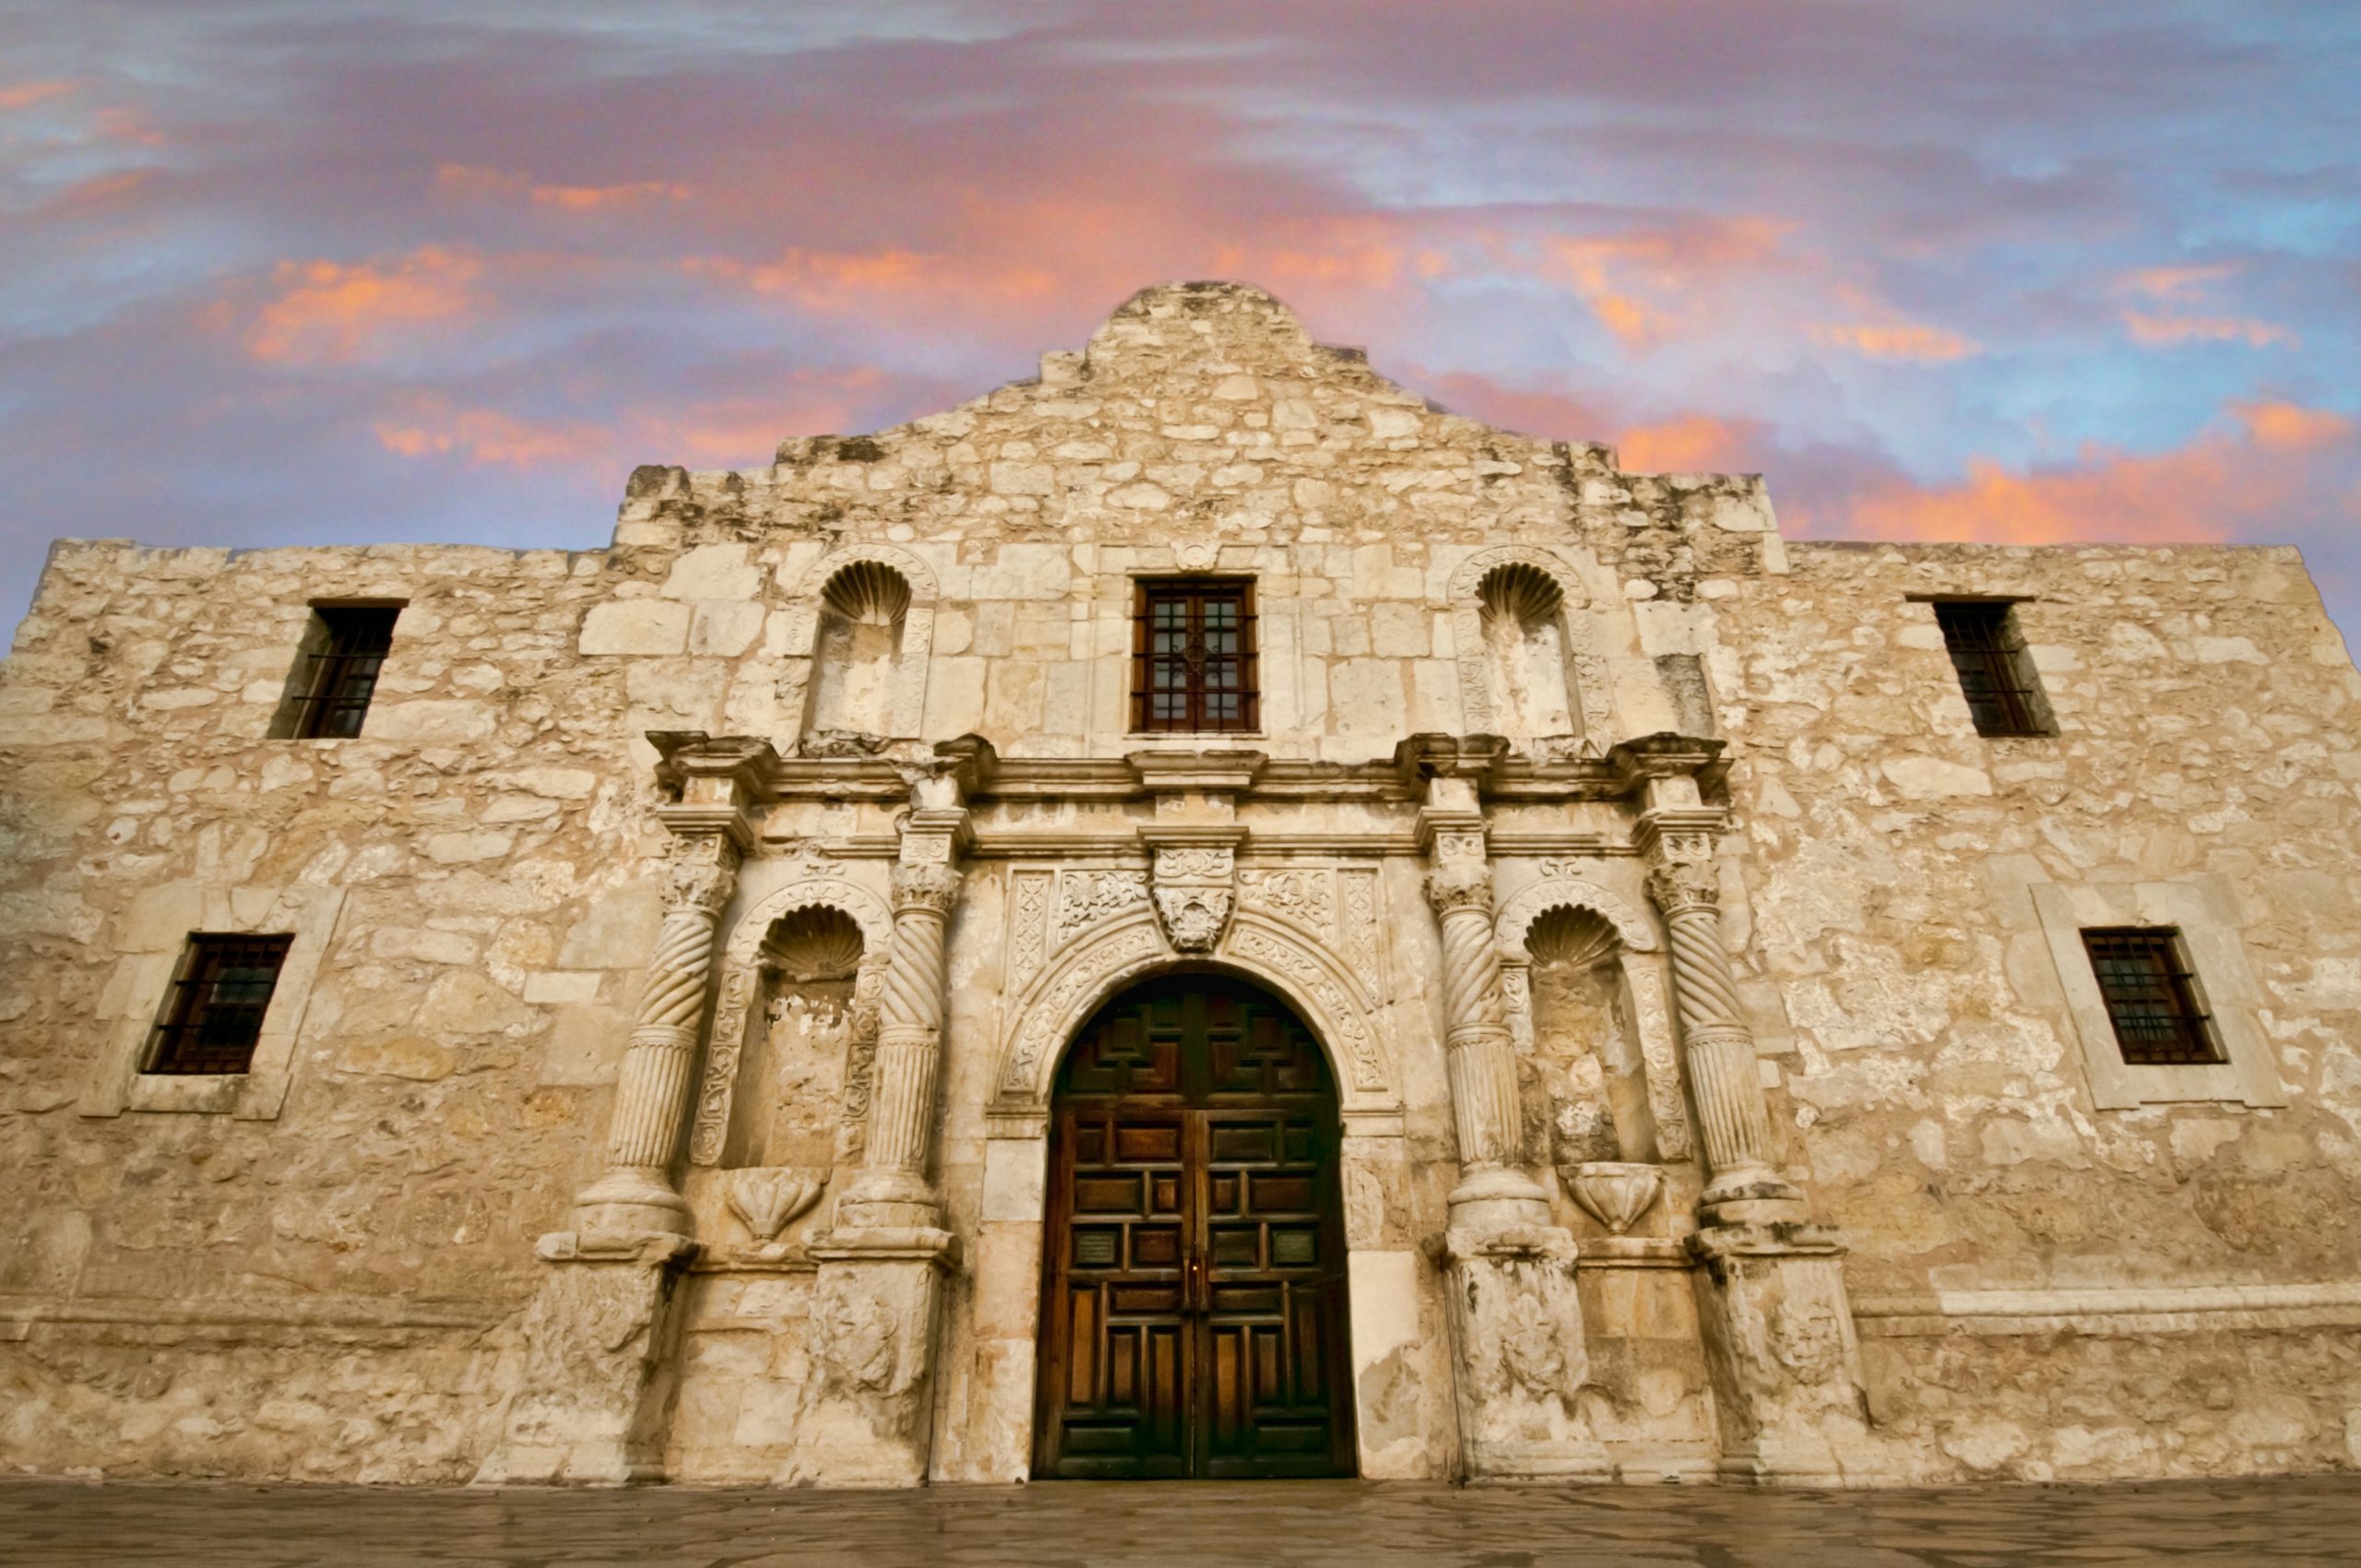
x=1323 y=992
x=1640 y=955
x=815 y=883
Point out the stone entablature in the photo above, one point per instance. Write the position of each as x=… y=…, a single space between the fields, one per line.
x=659 y=1084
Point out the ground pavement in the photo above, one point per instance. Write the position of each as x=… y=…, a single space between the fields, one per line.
x=2314 y=1520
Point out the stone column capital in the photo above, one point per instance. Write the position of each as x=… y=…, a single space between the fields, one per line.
x=1460 y=885
x=926 y=889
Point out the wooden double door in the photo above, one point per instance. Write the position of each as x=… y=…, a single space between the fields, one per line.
x=1193 y=1307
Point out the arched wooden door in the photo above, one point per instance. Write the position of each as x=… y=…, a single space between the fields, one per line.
x=1192 y=1302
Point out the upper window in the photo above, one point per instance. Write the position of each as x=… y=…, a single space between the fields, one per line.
x=338 y=673
x=1193 y=646
x=214 y=1016
x=1995 y=673
x=2151 y=996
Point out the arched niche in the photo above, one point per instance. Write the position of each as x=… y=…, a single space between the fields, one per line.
x=786 y=945
x=859 y=642
x=1583 y=976
x=1065 y=994
x=1527 y=667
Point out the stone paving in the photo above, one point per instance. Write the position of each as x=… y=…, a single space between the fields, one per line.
x=2298 y=1521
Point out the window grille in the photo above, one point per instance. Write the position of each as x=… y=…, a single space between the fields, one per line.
x=2151 y=996
x=1996 y=674
x=343 y=673
x=1194 y=663
x=216 y=1011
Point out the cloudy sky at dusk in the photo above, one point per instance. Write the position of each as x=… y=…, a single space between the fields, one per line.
x=337 y=271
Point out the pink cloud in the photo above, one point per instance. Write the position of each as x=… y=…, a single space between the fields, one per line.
x=332 y=313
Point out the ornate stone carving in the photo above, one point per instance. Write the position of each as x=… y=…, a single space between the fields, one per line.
x=861 y=1057
x=652 y=1091
x=1363 y=947
x=1301 y=895
x=1195 y=894
x=1194 y=917
x=1661 y=1059
x=1560 y=887
x=1460 y=887
x=766 y=1199
x=1516 y=1322
x=1734 y=1121
x=932 y=887
x=1613 y=1192
x=1086 y=898
x=589 y=1405
x=1046 y=1015
x=867 y=1408
x=817 y=883
x=1345 y=1014
x=1029 y=926
x=700 y=872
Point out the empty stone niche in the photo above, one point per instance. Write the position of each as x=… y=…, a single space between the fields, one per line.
x=791 y=1080
x=1585 y=1090
x=1522 y=616
x=864 y=613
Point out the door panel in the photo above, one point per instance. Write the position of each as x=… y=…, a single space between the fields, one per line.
x=1193 y=1303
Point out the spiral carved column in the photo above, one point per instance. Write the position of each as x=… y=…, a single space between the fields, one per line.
x=1494 y=1190
x=636 y=1193
x=909 y=1053
x=1734 y=1123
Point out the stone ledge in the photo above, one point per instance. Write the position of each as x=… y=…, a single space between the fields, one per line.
x=2115 y=1312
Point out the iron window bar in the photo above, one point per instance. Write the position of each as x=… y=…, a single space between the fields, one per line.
x=2151 y=996
x=1994 y=674
x=1193 y=664
x=218 y=1003
x=343 y=673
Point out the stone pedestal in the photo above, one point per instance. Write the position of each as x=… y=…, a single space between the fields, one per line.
x=868 y=1415
x=1516 y=1329
x=1780 y=1349
x=601 y=1365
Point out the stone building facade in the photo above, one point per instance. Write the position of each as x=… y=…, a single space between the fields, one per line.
x=1585 y=999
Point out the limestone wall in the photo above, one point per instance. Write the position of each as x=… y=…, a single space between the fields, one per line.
x=2046 y=1287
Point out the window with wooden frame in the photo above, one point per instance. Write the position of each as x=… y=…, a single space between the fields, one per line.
x=2152 y=995
x=338 y=673
x=1192 y=655
x=1995 y=673
x=214 y=1016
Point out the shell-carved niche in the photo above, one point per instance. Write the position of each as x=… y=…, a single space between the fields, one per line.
x=1581 y=973
x=1525 y=669
x=799 y=1048
x=855 y=656
x=1523 y=610
x=1578 y=1025
x=795 y=1026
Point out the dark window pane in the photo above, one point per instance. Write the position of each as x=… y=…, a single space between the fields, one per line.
x=1996 y=675
x=216 y=1011
x=352 y=645
x=2150 y=996
x=1195 y=665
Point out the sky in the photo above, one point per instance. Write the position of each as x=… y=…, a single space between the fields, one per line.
x=335 y=271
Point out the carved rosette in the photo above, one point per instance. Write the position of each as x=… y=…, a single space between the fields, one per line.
x=1195 y=893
